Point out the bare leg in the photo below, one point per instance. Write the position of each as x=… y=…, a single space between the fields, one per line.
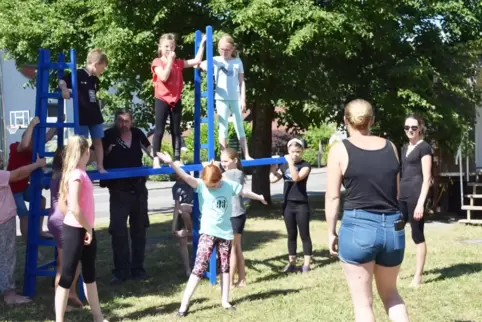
x=93 y=299
x=185 y=255
x=24 y=227
x=233 y=259
x=359 y=279
x=225 y=286
x=421 y=256
x=222 y=144
x=386 y=280
x=244 y=147
x=99 y=154
x=61 y=298
x=241 y=267
x=191 y=286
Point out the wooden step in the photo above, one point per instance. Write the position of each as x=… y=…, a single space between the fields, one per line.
x=468 y=207
x=473 y=196
x=471 y=221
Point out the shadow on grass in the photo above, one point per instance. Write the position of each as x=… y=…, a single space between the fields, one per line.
x=264 y=295
x=454 y=271
x=277 y=264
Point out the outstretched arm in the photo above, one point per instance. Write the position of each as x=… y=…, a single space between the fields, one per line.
x=190 y=180
x=199 y=55
x=253 y=196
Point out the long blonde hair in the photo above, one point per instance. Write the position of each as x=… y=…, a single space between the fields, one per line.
x=227 y=38
x=75 y=149
x=168 y=36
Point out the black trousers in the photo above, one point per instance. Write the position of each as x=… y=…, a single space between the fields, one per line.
x=73 y=251
x=297 y=217
x=407 y=208
x=162 y=112
x=128 y=204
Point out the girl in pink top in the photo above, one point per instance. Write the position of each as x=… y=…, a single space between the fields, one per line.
x=78 y=237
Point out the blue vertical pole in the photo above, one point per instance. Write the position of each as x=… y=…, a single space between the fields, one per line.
x=60 y=106
x=210 y=84
x=197 y=142
x=211 y=150
x=75 y=98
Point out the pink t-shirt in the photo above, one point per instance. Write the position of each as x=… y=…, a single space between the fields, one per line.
x=86 y=198
x=7 y=203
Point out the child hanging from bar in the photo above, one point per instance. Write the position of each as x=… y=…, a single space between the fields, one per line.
x=215 y=204
x=90 y=115
x=168 y=84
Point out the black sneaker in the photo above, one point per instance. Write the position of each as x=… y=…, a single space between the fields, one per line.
x=116 y=280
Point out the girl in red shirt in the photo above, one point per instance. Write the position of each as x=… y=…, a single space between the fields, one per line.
x=168 y=83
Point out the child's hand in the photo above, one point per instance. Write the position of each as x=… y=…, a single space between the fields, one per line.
x=171 y=55
x=261 y=198
x=35 y=121
x=40 y=162
x=274 y=168
x=88 y=237
x=289 y=159
x=203 y=40
x=164 y=157
x=65 y=93
x=243 y=106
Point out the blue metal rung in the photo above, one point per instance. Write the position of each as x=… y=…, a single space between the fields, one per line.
x=56 y=66
x=47 y=155
x=55 y=95
x=45 y=272
x=205 y=146
x=204 y=120
x=56 y=125
x=204 y=94
x=48 y=265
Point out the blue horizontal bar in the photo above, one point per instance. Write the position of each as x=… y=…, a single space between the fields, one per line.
x=56 y=125
x=56 y=95
x=47 y=154
x=204 y=120
x=45 y=272
x=205 y=146
x=57 y=66
x=204 y=94
x=263 y=161
x=48 y=265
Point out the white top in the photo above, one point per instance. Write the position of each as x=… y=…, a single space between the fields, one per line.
x=226 y=73
x=410 y=147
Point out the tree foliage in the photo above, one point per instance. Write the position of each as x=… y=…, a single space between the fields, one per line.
x=310 y=57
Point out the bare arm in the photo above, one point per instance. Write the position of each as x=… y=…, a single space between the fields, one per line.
x=199 y=56
x=332 y=196
x=251 y=195
x=190 y=180
x=175 y=215
x=74 y=205
x=298 y=176
x=398 y=175
x=147 y=150
x=50 y=134
x=275 y=175
x=27 y=136
x=163 y=73
x=25 y=171
x=427 y=177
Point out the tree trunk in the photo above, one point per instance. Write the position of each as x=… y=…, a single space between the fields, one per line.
x=261 y=146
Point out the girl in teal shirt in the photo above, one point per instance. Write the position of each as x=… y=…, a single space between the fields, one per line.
x=215 y=203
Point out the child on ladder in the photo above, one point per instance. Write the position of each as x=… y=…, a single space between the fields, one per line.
x=8 y=231
x=90 y=115
x=215 y=203
x=168 y=84
x=230 y=91
x=78 y=236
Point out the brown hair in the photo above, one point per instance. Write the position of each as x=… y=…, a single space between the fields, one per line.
x=211 y=175
x=168 y=36
x=97 y=56
x=233 y=155
x=227 y=38
x=359 y=114
x=420 y=122
x=57 y=163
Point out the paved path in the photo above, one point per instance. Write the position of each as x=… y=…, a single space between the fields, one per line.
x=160 y=197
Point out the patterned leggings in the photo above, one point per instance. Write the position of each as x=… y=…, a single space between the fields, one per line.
x=204 y=250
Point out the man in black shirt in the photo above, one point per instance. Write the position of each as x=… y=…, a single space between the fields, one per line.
x=123 y=145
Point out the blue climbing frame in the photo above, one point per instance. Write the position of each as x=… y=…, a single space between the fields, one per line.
x=39 y=179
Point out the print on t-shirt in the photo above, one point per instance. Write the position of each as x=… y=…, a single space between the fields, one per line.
x=228 y=71
x=92 y=96
x=220 y=204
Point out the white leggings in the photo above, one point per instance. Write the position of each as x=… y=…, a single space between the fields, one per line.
x=223 y=107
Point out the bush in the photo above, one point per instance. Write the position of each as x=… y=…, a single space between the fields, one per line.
x=279 y=141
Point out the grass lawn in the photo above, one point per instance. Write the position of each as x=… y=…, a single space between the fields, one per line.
x=451 y=292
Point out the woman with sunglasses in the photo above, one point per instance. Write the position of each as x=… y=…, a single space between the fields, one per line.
x=414 y=185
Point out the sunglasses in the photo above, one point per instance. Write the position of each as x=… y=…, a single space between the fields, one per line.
x=413 y=128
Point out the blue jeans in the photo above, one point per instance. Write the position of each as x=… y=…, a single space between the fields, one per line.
x=96 y=131
x=366 y=236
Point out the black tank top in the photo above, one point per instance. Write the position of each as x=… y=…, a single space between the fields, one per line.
x=370 y=179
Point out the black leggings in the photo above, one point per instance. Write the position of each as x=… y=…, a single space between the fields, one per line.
x=407 y=208
x=297 y=217
x=162 y=111
x=73 y=251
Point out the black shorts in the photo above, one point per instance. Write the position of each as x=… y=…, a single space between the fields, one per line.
x=238 y=223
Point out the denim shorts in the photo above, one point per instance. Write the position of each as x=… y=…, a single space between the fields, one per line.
x=22 y=210
x=366 y=236
x=96 y=131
